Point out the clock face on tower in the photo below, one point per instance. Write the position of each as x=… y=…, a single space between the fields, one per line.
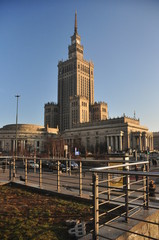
x=76 y=41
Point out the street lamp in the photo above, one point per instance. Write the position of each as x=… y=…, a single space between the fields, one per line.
x=17 y=96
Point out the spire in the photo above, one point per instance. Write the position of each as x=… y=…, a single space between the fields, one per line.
x=75 y=31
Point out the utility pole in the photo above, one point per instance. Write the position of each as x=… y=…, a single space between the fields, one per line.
x=17 y=96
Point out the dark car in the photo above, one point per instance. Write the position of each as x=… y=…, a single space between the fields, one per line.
x=53 y=165
x=45 y=164
x=6 y=161
x=63 y=168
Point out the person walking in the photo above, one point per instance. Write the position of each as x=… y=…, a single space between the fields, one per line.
x=136 y=176
x=152 y=188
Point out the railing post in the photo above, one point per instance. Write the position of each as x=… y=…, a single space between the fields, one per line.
x=95 y=207
x=13 y=169
x=70 y=167
x=108 y=184
x=147 y=187
x=23 y=163
x=66 y=166
x=126 y=198
x=40 y=173
x=26 y=172
x=34 y=163
x=80 y=179
x=10 y=170
x=58 y=176
x=144 y=188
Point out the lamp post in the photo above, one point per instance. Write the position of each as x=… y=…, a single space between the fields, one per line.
x=17 y=96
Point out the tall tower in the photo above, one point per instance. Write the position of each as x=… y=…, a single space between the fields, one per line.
x=75 y=78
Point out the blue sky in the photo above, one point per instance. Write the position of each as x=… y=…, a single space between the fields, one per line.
x=121 y=37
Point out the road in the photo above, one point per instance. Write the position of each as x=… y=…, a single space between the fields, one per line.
x=68 y=183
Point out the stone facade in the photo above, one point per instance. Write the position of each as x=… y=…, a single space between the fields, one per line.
x=117 y=135
x=156 y=140
x=51 y=115
x=79 y=110
x=30 y=138
x=99 y=111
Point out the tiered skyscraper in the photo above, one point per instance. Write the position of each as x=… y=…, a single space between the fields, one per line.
x=75 y=78
x=75 y=89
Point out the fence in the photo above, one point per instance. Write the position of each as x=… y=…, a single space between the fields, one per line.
x=119 y=191
x=61 y=175
x=58 y=174
x=121 y=195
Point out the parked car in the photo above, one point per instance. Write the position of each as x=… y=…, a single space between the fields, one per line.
x=45 y=164
x=74 y=165
x=53 y=165
x=31 y=164
x=6 y=160
x=63 y=168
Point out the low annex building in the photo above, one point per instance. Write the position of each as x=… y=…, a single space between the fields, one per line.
x=30 y=138
x=116 y=135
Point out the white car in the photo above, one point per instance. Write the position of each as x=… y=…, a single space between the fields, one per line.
x=31 y=164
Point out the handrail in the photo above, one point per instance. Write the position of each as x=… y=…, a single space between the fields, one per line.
x=117 y=166
x=139 y=173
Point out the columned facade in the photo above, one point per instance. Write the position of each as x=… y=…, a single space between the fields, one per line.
x=31 y=138
x=117 y=135
x=115 y=142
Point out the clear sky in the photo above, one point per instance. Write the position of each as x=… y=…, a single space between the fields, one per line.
x=121 y=37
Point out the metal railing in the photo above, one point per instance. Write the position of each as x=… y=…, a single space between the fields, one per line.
x=59 y=175
x=120 y=195
x=119 y=189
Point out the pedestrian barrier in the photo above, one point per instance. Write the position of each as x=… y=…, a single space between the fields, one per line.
x=113 y=201
x=119 y=190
